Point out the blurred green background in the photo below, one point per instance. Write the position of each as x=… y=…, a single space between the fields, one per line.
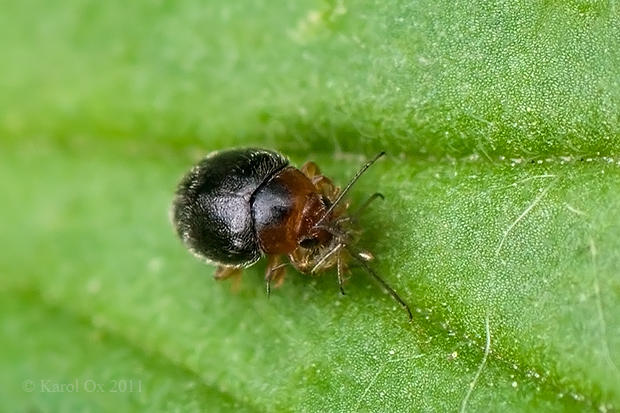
x=500 y=227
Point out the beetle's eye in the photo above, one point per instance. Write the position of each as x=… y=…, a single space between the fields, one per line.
x=308 y=243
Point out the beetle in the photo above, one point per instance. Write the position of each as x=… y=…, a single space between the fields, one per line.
x=237 y=205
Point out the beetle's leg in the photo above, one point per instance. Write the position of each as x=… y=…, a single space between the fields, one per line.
x=330 y=191
x=310 y=169
x=327 y=259
x=301 y=260
x=275 y=272
x=342 y=270
x=323 y=184
x=224 y=273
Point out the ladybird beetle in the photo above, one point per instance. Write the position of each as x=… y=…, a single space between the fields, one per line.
x=237 y=205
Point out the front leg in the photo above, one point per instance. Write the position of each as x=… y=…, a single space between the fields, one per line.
x=310 y=169
x=342 y=271
x=325 y=187
x=322 y=183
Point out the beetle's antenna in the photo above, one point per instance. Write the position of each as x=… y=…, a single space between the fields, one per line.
x=349 y=185
x=381 y=281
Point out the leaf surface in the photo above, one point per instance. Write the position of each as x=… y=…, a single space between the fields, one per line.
x=500 y=224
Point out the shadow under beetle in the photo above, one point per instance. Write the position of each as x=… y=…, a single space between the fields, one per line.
x=236 y=205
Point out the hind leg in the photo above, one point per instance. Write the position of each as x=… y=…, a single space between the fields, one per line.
x=224 y=273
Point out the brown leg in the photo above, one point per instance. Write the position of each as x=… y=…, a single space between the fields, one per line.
x=301 y=258
x=325 y=186
x=328 y=259
x=330 y=191
x=310 y=169
x=275 y=272
x=224 y=273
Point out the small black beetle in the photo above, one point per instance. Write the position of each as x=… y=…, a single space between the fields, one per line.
x=239 y=204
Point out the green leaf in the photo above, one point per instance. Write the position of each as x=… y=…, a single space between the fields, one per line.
x=500 y=224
